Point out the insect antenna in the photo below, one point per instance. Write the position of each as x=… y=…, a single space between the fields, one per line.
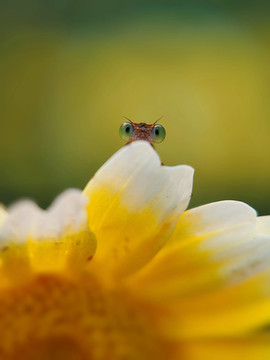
x=128 y=119
x=158 y=119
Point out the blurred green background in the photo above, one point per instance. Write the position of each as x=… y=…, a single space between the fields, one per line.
x=69 y=71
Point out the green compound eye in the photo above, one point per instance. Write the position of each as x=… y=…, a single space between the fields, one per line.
x=125 y=131
x=158 y=133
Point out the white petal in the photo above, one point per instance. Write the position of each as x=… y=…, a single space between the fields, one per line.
x=65 y=216
x=213 y=246
x=26 y=220
x=20 y=222
x=134 y=197
x=3 y=215
x=263 y=225
x=137 y=170
x=217 y=216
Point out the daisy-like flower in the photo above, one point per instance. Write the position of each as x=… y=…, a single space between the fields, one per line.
x=122 y=271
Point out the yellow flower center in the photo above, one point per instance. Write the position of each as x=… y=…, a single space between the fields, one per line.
x=54 y=317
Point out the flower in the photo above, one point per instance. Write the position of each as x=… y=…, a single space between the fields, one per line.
x=122 y=271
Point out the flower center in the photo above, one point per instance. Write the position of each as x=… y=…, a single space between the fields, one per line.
x=73 y=319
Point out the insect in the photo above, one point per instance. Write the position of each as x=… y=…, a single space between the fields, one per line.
x=153 y=133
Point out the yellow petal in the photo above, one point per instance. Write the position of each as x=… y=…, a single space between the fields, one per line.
x=205 y=241
x=134 y=203
x=247 y=348
x=233 y=311
x=213 y=272
x=34 y=239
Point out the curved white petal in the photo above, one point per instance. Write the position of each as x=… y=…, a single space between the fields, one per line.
x=25 y=219
x=66 y=216
x=214 y=272
x=214 y=217
x=133 y=202
x=213 y=246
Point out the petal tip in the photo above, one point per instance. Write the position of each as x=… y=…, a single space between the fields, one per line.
x=26 y=220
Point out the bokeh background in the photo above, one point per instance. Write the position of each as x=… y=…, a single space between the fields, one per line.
x=69 y=71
